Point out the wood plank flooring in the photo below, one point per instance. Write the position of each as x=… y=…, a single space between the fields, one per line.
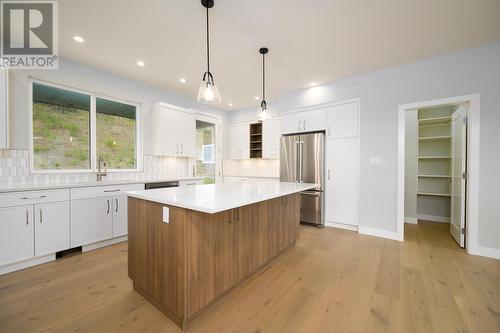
x=331 y=281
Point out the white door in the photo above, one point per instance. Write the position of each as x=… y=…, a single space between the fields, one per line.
x=119 y=215
x=313 y=120
x=186 y=133
x=16 y=234
x=91 y=220
x=51 y=227
x=291 y=123
x=341 y=190
x=458 y=168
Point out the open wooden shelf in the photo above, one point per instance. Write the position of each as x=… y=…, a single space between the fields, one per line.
x=256 y=140
x=434 y=157
x=434 y=194
x=427 y=138
x=435 y=121
x=434 y=176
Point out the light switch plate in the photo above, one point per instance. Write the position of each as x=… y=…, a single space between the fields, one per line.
x=375 y=160
x=166 y=215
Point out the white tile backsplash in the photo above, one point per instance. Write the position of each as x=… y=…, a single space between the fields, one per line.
x=14 y=170
x=252 y=168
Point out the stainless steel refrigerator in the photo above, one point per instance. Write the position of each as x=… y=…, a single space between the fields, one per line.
x=302 y=158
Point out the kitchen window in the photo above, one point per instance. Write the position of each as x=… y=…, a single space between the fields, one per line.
x=71 y=129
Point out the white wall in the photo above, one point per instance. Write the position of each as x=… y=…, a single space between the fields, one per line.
x=411 y=166
x=78 y=76
x=466 y=72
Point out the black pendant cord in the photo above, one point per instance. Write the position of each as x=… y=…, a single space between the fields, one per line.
x=208 y=45
x=264 y=78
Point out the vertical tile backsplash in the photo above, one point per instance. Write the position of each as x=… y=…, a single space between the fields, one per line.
x=15 y=171
x=252 y=168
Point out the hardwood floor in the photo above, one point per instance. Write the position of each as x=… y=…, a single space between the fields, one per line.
x=331 y=281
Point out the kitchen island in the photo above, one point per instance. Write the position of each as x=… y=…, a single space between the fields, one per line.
x=191 y=245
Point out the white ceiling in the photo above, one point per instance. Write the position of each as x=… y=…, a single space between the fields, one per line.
x=308 y=40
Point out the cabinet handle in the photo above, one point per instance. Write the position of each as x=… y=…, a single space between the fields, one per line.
x=116 y=201
x=329 y=131
x=27 y=217
x=299 y=124
x=107 y=200
x=182 y=149
x=328 y=174
x=304 y=125
x=40 y=197
x=41 y=216
x=108 y=191
x=177 y=148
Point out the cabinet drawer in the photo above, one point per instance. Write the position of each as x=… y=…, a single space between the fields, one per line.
x=103 y=191
x=32 y=197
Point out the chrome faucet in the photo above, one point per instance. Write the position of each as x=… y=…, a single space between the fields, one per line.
x=101 y=165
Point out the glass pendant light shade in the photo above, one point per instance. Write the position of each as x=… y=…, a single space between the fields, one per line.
x=262 y=113
x=208 y=92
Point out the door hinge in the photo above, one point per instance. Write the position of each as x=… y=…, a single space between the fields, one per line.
x=465 y=119
x=464 y=175
x=463 y=231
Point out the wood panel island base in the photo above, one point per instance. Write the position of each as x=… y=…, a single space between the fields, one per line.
x=184 y=265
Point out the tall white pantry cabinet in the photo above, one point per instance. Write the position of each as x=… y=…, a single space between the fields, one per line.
x=342 y=165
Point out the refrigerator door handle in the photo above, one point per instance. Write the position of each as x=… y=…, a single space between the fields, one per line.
x=301 y=161
x=297 y=166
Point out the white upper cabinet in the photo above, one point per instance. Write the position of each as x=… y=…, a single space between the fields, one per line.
x=271 y=133
x=240 y=141
x=304 y=121
x=313 y=120
x=174 y=131
x=291 y=123
x=4 y=98
x=342 y=121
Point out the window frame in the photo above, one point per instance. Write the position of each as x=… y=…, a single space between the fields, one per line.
x=217 y=121
x=92 y=130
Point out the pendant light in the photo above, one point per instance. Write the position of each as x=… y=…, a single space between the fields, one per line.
x=262 y=114
x=208 y=92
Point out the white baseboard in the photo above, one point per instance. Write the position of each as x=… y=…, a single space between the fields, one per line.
x=485 y=252
x=379 y=233
x=341 y=226
x=107 y=242
x=433 y=218
x=411 y=220
x=27 y=263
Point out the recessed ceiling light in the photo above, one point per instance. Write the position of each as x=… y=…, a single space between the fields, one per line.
x=140 y=63
x=313 y=84
x=256 y=98
x=78 y=39
x=182 y=80
x=230 y=104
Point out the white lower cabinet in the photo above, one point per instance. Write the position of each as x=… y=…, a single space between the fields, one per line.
x=16 y=234
x=120 y=215
x=91 y=220
x=51 y=227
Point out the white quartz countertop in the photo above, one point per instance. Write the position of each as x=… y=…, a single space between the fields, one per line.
x=41 y=187
x=214 y=198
